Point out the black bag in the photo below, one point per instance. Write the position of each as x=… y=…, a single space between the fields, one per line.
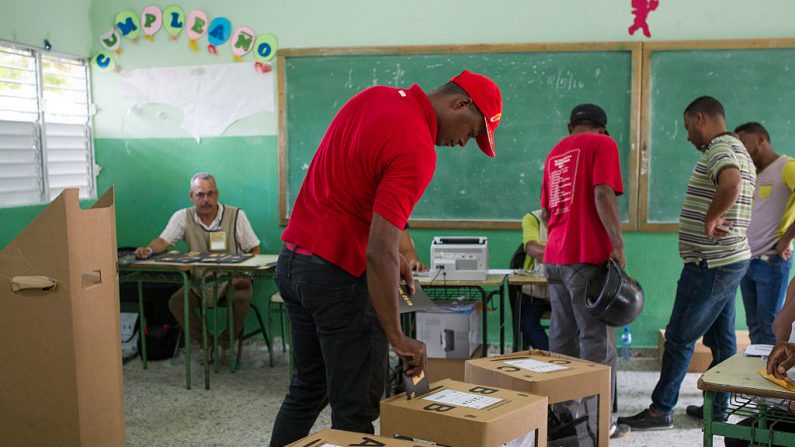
x=162 y=341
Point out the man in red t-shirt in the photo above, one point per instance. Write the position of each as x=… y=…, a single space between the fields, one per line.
x=582 y=177
x=340 y=268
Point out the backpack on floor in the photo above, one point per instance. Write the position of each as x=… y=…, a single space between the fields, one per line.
x=162 y=341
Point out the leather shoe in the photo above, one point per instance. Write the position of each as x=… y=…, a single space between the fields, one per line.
x=697 y=411
x=646 y=421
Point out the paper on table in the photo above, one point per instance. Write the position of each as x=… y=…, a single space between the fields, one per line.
x=758 y=350
x=500 y=271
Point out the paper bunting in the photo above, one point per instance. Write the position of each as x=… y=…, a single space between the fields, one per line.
x=218 y=33
x=242 y=42
x=151 y=21
x=197 y=28
x=128 y=24
x=103 y=61
x=264 y=50
x=111 y=40
x=174 y=21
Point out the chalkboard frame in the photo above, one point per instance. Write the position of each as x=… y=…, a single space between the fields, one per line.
x=649 y=48
x=634 y=48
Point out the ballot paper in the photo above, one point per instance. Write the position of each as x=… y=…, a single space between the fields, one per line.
x=535 y=365
x=758 y=350
x=462 y=399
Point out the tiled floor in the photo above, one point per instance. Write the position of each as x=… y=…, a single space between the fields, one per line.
x=239 y=409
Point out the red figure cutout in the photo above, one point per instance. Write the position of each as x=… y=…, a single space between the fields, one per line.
x=641 y=10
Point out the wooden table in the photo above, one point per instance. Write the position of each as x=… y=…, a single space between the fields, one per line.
x=493 y=280
x=739 y=375
x=140 y=271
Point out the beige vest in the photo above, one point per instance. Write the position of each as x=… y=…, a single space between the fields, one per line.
x=198 y=239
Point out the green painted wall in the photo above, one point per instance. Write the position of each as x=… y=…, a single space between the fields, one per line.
x=66 y=24
x=149 y=158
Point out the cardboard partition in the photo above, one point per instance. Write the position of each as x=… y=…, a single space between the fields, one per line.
x=331 y=438
x=61 y=373
x=438 y=369
x=460 y=414
x=558 y=377
x=702 y=355
x=451 y=329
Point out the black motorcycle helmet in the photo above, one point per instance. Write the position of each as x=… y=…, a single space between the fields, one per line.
x=613 y=297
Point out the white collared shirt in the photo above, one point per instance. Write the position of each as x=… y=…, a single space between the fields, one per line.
x=175 y=230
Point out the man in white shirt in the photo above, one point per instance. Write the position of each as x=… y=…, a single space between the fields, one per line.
x=208 y=226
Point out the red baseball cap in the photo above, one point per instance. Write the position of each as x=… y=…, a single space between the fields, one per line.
x=488 y=99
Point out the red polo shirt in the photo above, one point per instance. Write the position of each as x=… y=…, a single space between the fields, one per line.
x=377 y=155
x=573 y=168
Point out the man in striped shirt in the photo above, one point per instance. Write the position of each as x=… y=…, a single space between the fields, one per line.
x=714 y=247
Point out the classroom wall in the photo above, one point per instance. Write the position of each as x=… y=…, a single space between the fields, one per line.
x=149 y=158
x=66 y=24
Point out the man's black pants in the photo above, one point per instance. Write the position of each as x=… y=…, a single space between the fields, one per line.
x=339 y=348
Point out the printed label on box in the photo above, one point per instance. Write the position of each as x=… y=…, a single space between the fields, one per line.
x=461 y=399
x=535 y=365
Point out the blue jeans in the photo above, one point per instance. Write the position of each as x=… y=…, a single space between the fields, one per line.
x=704 y=306
x=339 y=348
x=533 y=334
x=764 y=287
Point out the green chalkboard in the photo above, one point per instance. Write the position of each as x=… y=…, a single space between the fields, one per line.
x=539 y=89
x=753 y=84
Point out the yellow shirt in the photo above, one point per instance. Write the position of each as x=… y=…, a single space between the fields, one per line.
x=532 y=230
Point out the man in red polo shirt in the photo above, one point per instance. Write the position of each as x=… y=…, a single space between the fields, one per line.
x=340 y=268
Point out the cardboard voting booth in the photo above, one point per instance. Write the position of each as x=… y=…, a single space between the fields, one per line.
x=61 y=374
x=561 y=378
x=338 y=438
x=460 y=414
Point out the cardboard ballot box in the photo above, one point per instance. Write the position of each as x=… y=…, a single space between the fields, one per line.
x=451 y=329
x=332 y=438
x=61 y=376
x=558 y=377
x=459 y=414
x=702 y=355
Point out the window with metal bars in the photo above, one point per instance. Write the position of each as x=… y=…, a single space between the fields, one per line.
x=45 y=126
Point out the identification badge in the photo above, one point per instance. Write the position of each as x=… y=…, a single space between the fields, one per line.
x=218 y=241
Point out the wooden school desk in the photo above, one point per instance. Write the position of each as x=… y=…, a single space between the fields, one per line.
x=140 y=271
x=739 y=375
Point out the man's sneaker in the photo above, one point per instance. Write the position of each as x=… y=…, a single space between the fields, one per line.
x=697 y=411
x=618 y=430
x=646 y=421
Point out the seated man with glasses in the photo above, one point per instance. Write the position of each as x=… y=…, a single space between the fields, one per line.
x=209 y=226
